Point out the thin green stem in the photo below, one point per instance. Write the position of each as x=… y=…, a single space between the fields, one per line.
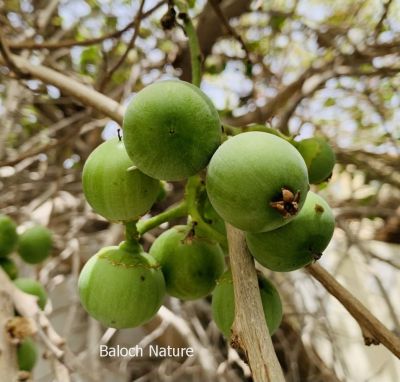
x=193 y=185
x=194 y=46
x=131 y=232
x=176 y=211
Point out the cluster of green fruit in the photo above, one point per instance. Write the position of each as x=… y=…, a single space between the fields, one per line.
x=256 y=181
x=33 y=246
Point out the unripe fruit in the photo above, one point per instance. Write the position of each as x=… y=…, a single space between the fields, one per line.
x=9 y=267
x=122 y=287
x=34 y=288
x=298 y=243
x=35 y=244
x=319 y=158
x=257 y=181
x=27 y=354
x=223 y=304
x=114 y=187
x=171 y=130
x=191 y=264
x=8 y=235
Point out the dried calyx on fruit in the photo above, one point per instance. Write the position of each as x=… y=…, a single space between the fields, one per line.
x=114 y=187
x=257 y=181
x=191 y=264
x=223 y=303
x=122 y=286
x=298 y=243
x=171 y=130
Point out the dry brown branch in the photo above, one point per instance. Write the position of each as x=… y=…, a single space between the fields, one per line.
x=250 y=331
x=53 y=45
x=371 y=327
x=136 y=23
x=88 y=96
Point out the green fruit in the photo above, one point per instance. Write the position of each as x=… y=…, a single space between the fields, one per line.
x=257 y=181
x=223 y=304
x=171 y=130
x=9 y=267
x=27 y=354
x=35 y=244
x=34 y=288
x=319 y=158
x=115 y=188
x=191 y=264
x=297 y=243
x=122 y=287
x=8 y=235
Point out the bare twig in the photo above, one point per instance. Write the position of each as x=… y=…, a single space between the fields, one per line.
x=136 y=22
x=250 y=331
x=373 y=330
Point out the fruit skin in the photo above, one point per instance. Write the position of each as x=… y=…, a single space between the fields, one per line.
x=190 y=264
x=298 y=243
x=247 y=173
x=8 y=235
x=114 y=187
x=35 y=244
x=319 y=157
x=27 y=354
x=121 y=286
x=34 y=288
x=171 y=130
x=9 y=267
x=223 y=304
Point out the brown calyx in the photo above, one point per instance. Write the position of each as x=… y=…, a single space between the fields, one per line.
x=288 y=203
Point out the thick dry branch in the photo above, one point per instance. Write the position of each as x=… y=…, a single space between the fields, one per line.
x=373 y=330
x=83 y=93
x=250 y=331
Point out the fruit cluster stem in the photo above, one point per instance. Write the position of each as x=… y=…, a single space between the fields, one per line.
x=194 y=46
x=131 y=232
x=249 y=330
x=191 y=195
x=176 y=211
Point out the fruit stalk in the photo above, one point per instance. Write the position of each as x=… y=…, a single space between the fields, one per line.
x=194 y=46
x=191 y=195
x=250 y=331
x=176 y=211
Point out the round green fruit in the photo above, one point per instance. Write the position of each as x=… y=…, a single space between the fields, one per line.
x=9 y=267
x=298 y=243
x=27 y=354
x=223 y=304
x=191 y=264
x=34 y=288
x=257 y=181
x=8 y=235
x=35 y=244
x=122 y=286
x=319 y=158
x=114 y=187
x=171 y=130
